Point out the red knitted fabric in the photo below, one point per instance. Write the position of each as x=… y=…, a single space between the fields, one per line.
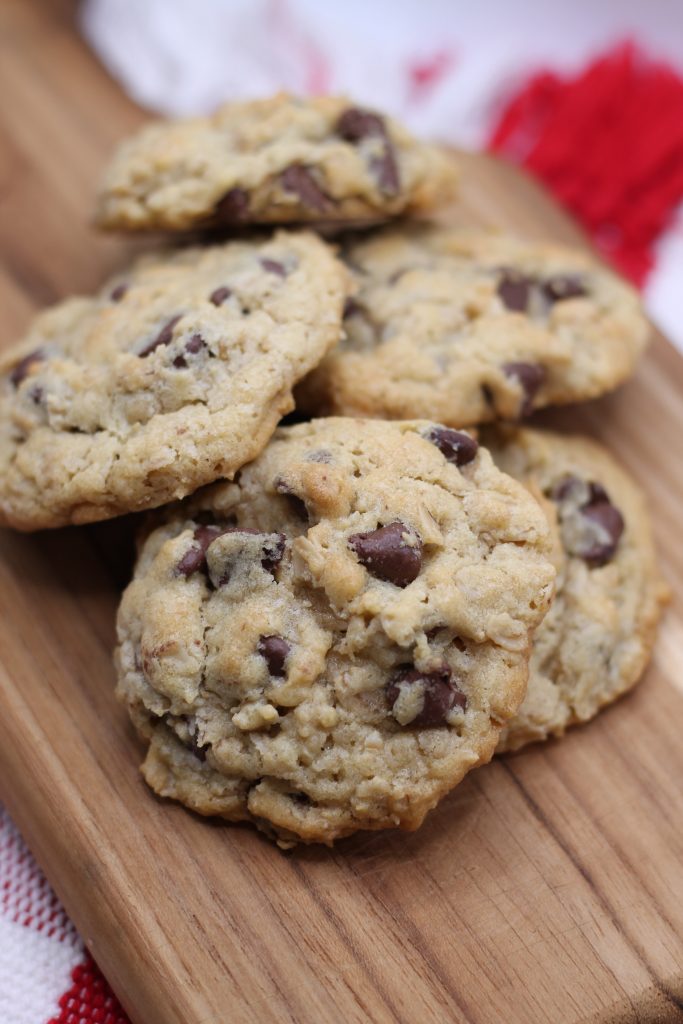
x=609 y=143
x=89 y=1000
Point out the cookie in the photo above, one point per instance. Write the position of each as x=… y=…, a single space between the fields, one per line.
x=333 y=640
x=598 y=635
x=273 y=161
x=470 y=327
x=174 y=375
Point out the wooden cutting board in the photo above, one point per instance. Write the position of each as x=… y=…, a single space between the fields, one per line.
x=547 y=888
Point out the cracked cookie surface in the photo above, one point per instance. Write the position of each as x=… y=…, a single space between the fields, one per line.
x=333 y=640
x=174 y=375
x=597 y=638
x=279 y=160
x=468 y=327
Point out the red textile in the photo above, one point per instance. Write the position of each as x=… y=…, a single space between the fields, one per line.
x=89 y=1000
x=609 y=143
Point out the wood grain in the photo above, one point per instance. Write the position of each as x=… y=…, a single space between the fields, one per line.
x=547 y=888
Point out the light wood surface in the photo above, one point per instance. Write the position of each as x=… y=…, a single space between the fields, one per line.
x=547 y=889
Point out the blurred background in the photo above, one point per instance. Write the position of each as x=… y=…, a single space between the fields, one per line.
x=588 y=95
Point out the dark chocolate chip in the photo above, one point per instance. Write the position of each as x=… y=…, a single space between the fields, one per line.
x=219 y=296
x=233 y=208
x=298 y=179
x=275 y=650
x=351 y=308
x=195 y=557
x=456 y=447
x=300 y=798
x=296 y=504
x=118 y=292
x=441 y=694
x=193 y=346
x=386 y=555
x=564 y=488
x=36 y=394
x=22 y=369
x=198 y=749
x=273 y=267
x=355 y=124
x=273 y=556
x=600 y=523
x=530 y=377
x=601 y=543
x=514 y=290
x=385 y=169
x=164 y=336
x=564 y=286
x=596 y=492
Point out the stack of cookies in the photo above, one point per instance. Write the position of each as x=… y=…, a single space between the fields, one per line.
x=332 y=622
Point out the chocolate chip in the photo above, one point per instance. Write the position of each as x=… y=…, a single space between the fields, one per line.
x=564 y=488
x=611 y=522
x=385 y=169
x=193 y=346
x=195 y=558
x=219 y=296
x=164 y=336
x=601 y=542
x=530 y=377
x=273 y=267
x=273 y=552
x=386 y=555
x=514 y=290
x=299 y=180
x=441 y=694
x=197 y=748
x=296 y=504
x=36 y=394
x=456 y=447
x=233 y=208
x=118 y=292
x=597 y=492
x=355 y=124
x=564 y=286
x=351 y=308
x=591 y=525
x=22 y=369
x=275 y=650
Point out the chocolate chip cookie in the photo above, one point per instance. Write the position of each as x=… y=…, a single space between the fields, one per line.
x=596 y=639
x=333 y=640
x=174 y=375
x=469 y=327
x=273 y=161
